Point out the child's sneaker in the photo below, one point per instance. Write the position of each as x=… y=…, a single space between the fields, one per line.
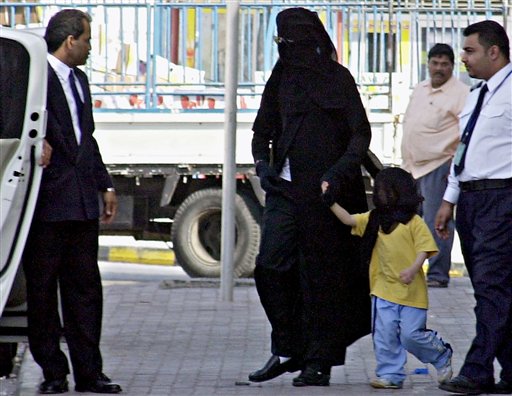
x=444 y=373
x=383 y=383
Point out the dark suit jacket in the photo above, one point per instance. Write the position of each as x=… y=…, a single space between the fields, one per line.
x=71 y=183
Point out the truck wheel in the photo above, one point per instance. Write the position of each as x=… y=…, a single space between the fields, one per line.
x=196 y=234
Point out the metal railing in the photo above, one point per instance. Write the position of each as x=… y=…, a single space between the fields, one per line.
x=153 y=55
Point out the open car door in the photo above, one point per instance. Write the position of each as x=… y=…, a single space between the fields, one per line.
x=23 y=84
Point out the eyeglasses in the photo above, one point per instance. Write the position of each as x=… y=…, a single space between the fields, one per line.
x=280 y=40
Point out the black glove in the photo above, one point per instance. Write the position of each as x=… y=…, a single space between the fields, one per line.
x=332 y=194
x=268 y=177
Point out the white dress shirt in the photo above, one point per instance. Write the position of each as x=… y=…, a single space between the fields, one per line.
x=489 y=153
x=62 y=70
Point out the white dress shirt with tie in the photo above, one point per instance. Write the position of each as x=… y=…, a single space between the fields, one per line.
x=489 y=154
x=62 y=70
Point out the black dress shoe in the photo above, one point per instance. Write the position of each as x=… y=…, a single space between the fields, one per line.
x=310 y=376
x=51 y=387
x=463 y=385
x=502 y=388
x=274 y=368
x=100 y=384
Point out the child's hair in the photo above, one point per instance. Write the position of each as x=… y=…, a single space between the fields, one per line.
x=396 y=188
x=396 y=200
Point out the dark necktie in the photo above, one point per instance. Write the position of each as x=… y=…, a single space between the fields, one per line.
x=76 y=95
x=468 y=131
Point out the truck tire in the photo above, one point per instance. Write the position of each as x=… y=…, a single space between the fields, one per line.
x=196 y=234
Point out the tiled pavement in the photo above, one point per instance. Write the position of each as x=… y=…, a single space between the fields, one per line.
x=177 y=338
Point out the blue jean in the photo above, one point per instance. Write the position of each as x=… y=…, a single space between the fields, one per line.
x=432 y=187
x=398 y=329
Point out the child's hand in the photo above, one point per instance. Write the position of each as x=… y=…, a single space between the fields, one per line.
x=407 y=275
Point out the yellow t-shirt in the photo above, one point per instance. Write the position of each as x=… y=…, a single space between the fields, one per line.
x=395 y=252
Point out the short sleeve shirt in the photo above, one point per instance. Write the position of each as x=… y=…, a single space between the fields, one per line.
x=395 y=252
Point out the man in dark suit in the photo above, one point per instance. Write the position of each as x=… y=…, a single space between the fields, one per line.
x=62 y=247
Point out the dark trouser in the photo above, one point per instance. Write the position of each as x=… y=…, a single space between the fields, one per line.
x=432 y=187
x=484 y=223
x=63 y=257
x=310 y=282
x=7 y=354
x=277 y=277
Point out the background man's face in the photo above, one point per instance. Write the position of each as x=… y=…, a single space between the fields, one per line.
x=440 y=69
x=81 y=46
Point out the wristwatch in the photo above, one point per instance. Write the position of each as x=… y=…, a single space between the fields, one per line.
x=110 y=189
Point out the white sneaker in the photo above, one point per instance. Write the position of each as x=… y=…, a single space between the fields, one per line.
x=382 y=383
x=444 y=373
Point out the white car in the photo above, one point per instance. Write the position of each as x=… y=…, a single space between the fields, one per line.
x=23 y=85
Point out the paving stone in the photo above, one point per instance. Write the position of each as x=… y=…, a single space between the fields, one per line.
x=179 y=339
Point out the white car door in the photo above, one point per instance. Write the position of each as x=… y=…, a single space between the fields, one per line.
x=23 y=84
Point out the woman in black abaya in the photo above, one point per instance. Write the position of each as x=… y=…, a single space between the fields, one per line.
x=311 y=136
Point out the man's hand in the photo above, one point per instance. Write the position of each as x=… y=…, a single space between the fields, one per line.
x=46 y=155
x=109 y=207
x=443 y=217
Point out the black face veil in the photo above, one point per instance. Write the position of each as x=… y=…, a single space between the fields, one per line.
x=307 y=73
x=303 y=41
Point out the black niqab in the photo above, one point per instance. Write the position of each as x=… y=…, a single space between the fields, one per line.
x=306 y=73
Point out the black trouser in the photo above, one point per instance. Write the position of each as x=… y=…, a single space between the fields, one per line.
x=63 y=257
x=277 y=276
x=484 y=223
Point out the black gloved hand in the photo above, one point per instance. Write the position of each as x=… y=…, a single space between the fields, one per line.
x=332 y=194
x=268 y=177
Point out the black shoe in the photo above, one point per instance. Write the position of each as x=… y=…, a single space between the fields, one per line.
x=502 y=388
x=101 y=384
x=312 y=377
x=462 y=385
x=51 y=387
x=5 y=369
x=274 y=368
x=437 y=284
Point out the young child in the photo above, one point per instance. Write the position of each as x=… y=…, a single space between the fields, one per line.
x=396 y=242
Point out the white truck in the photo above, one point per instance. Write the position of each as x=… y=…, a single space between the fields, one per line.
x=167 y=170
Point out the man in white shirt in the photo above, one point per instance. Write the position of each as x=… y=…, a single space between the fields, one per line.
x=480 y=184
x=431 y=135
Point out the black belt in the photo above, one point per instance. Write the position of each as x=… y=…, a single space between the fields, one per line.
x=485 y=184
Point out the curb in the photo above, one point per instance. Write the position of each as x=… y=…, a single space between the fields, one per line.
x=127 y=254
x=457 y=270
x=166 y=257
